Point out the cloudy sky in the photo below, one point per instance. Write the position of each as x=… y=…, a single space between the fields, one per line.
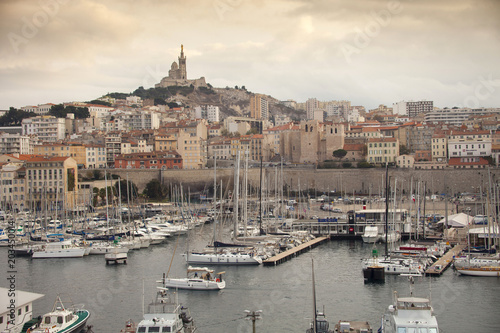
x=370 y=52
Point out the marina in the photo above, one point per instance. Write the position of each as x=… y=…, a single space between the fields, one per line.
x=445 y=261
x=284 y=256
x=113 y=294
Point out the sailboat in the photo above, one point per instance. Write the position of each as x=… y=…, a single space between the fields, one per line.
x=198 y=278
x=224 y=256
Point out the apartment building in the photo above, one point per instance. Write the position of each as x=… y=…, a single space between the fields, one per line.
x=382 y=150
x=15 y=143
x=47 y=128
x=439 y=148
x=469 y=144
x=51 y=182
x=259 y=107
x=152 y=160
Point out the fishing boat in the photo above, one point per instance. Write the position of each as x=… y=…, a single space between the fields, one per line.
x=198 y=278
x=61 y=320
x=409 y=314
x=166 y=315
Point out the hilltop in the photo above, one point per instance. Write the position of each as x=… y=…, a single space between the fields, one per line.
x=231 y=101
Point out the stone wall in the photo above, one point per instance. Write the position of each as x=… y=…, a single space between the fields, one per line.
x=346 y=180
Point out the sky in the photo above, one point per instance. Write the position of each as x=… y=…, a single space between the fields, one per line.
x=370 y=52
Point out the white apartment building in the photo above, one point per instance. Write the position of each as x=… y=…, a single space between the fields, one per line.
x=47 y=128
x=439 y=148
x=312 y=104
x=456 y=116
x=40 y=109
x=95 y=157
x=208 y=112
x=412 y=108
x=13 y=186
x=469 y=144
x=15 y=143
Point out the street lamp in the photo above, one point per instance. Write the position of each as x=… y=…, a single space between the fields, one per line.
x=253 y=316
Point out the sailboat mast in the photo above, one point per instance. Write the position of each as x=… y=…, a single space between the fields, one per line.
x=314 y=298
x=215 y=196
x=386 y=205
x=236 y=195
x=260 y=198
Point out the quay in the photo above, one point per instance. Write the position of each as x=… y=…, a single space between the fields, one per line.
x=284 y=256
x=442 y=263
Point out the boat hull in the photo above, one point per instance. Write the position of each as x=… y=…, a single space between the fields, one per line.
x=74 y=253
x=194 y=284
x=222 y=259
x=484 y=271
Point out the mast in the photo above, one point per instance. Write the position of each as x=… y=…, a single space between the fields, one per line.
x=260 y=199
x=386 y=205
x=236 y=195
x=314 y=298
x=215 y=197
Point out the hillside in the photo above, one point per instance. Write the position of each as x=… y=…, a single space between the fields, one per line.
x=231 y=101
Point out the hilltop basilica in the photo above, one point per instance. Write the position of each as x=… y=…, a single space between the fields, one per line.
x=177 y=75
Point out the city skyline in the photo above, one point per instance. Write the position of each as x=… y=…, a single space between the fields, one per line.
x=368 y=52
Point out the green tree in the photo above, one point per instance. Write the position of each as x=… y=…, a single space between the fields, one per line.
x=14 y=117
x=121 y=187
x=339 y=153
x=155 y=190
x=99 y=102
x=403 y=150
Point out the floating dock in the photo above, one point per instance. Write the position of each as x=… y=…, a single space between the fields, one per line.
x=445 y=261
x=284 y=256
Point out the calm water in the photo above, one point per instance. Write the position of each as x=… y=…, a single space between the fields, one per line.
x=114 y=294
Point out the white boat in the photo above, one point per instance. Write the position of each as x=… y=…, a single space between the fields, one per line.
x=198 y=278
x=105 y=248
x=478 y=266
x=396 y=266
x=164 y=315
x=371 y=234
x=61 y=319
x=116 y=257
x=409 y=314
x=63 y=249
x=223 y=258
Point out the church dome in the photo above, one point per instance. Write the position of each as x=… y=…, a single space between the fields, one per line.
x=174 y=66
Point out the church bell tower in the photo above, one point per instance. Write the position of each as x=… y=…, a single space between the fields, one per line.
x=182 y=65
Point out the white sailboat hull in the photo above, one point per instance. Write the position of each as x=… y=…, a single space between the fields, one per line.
x=64 y=253
x=483 y=271
x=194 y=284
x=222 y=259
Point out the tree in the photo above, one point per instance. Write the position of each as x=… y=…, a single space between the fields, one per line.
x=14 y=117
x=99 y=102
x=155 y=190
x=403 y=150
x=121 y=187
x=339 y=153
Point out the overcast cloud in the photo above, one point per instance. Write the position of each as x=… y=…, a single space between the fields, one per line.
x=370 y=52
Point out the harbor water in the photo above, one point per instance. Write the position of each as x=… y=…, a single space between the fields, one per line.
x=115 y=293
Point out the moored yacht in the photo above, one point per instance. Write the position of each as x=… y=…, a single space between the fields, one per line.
x=64 y=249
x=409 y=314
x=198 y=278
x=226 y=257
x=165 y=315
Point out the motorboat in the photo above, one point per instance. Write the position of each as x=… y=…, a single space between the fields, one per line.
x=105 y=248
x=64 y=249
x=371 y=234
x=409 y=314
x=166 y=315
x=198 y=278
x=61 y=320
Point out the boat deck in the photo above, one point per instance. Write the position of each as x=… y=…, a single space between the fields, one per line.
x=284 y=256
x=445 y=261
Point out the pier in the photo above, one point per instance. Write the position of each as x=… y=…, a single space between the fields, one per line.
x=284 y=256
x=442 y=263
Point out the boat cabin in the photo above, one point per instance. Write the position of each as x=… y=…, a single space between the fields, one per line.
x=21 y=310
